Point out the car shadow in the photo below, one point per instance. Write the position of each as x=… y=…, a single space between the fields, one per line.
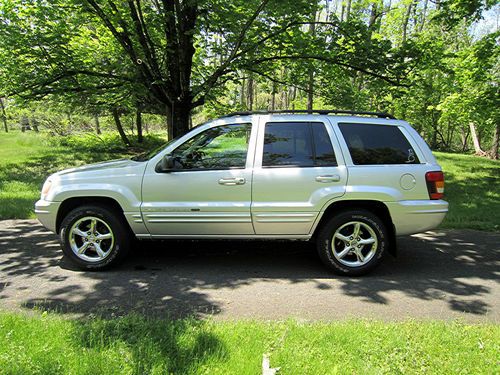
x=177 y=278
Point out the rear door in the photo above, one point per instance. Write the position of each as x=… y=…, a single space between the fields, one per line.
x=298 y=169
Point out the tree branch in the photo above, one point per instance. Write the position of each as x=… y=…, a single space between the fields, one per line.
x=272 y=79
x=210 y=82
x=143 y=36
x=330 y=60
x=127 y=44
x=282 y=30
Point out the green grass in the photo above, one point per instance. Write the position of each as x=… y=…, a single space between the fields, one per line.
x=49 y=344
x=26 y=159
x=472 y=187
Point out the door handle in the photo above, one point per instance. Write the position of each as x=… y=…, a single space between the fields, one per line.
x=328 y=178
x=232 y=181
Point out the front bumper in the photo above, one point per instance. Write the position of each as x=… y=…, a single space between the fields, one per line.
x=46 y=212
x=411 y=217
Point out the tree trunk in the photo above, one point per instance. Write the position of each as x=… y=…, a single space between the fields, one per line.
x=242 y=93
x=25 y=122
x=138 y=125
x=4 y=115
x=310 y=83
x=97 y=125
x=250 y=93
x=178 y=117
x=347 y=10
x=273 y=97
x=465 y=138
x=493 y=153
x=375 y=20
x=292 y=98
x=70 y=123
x=475 y=139
x=405 y=22
x=119 y=126
x=424 y=16
x=34 y=124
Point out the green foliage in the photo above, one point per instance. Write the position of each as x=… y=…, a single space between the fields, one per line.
x=475 y=97
x=49 y=344
x=419 y=59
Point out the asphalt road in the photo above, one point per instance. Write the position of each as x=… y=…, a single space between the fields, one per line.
x=447 y=274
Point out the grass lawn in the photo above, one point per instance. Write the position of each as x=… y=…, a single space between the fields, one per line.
x=26 y=159
x=49 y=344
x=472 y=186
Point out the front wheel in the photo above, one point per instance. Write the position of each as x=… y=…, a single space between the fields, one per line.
x=353 y=242
x=94 y=237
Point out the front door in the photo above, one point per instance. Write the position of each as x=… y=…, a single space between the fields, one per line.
x=208 y=192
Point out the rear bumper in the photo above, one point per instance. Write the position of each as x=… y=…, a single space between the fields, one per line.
x=46 y=212
x=411 y=217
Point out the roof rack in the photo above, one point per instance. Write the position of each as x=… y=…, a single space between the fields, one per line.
x=318 y=111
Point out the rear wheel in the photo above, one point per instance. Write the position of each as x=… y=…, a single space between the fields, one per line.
x=94 y=237
x=353 y=242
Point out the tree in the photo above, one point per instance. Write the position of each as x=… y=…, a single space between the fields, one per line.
x=475 y=99
x=147 y=49
x=3 y=114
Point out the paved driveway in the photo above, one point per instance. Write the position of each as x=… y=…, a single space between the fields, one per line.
x=445 y=274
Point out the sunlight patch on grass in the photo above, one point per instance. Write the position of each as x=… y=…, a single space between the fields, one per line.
x=50 y=344
x=473 y=190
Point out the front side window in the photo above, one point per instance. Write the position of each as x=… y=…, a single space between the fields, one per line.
x=377 y=144
x=297 y=144
x=221 y=147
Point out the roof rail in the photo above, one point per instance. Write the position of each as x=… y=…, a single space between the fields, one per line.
x=318 y=111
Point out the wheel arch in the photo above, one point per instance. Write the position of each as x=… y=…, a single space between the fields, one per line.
x=376 y=207
x=71 y=203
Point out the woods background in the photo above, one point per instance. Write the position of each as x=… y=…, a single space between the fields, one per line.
x=69 y=66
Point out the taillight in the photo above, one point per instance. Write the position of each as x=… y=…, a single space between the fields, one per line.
x=435 y=184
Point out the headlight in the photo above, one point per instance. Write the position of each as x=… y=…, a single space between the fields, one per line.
x=46 y=188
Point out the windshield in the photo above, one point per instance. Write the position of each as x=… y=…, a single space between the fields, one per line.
x=145 y=156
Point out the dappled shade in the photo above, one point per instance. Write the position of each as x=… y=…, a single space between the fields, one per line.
x=437 y=275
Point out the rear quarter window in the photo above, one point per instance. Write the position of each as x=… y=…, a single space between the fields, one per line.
x=377 y=144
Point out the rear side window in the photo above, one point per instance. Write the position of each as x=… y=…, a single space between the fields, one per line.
x=377 y=144
x=297 y=144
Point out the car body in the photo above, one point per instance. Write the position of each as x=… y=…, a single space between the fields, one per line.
x=265 y=175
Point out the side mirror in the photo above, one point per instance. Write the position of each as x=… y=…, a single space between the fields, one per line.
x=165 y=165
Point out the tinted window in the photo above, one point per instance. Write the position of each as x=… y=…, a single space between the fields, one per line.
x=297 y=144
x=221 y=147
x=377 y=144
x=322 y=145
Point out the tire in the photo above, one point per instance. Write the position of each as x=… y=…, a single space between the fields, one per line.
x=347 y=254
x=101 y=248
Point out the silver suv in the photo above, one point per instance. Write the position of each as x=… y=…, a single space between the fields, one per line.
x=350 y=182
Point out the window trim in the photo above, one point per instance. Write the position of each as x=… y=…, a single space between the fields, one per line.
x=312 y=142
